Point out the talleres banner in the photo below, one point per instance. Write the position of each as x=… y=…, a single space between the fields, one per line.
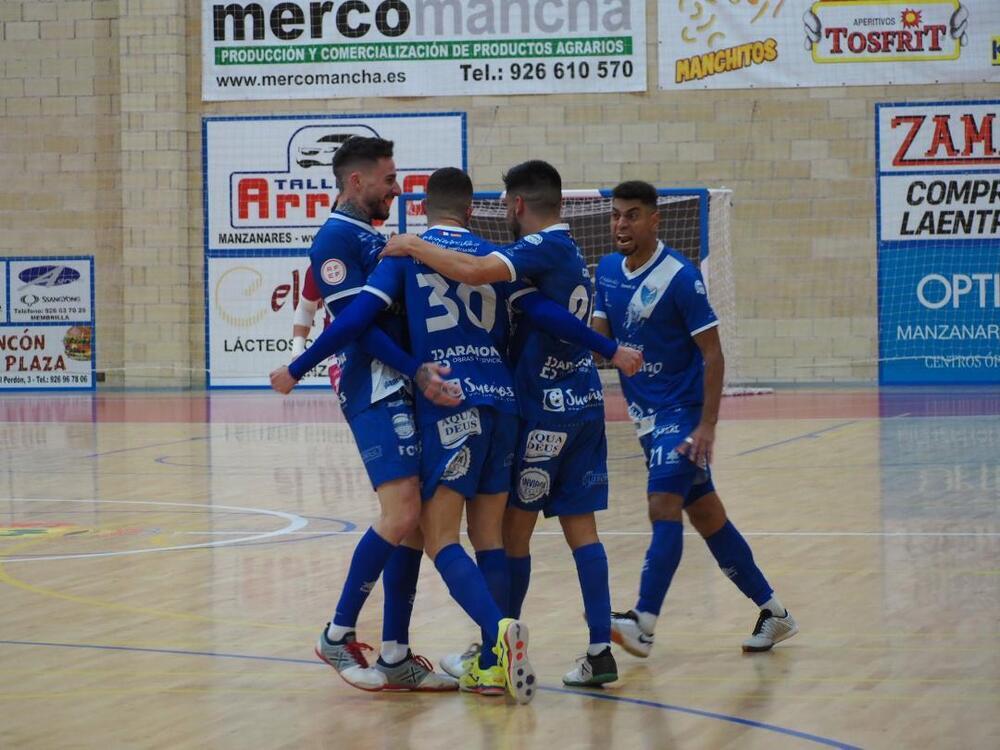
x=730 y=44
x=352 y=48
x=269 y=181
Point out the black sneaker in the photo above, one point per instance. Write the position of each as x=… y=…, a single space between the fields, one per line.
x=593 y=671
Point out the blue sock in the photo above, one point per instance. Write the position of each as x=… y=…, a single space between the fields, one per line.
x=662 y=559
x=399 y=579
x=468 y=587
x=369 y=559
x=520 y=575
x=493 y=564
x=592 y=570
x=733 y=554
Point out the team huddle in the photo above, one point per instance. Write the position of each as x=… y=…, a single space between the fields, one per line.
x=467 y=377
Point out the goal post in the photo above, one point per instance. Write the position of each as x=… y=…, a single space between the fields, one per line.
x=694 y=221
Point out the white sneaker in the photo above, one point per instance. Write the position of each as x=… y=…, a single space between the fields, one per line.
x=414 y=673
x=348 y=658
x=625 y=631
x=770 y=630
x=459 y=664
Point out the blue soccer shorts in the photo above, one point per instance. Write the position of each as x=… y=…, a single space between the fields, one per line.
x=562 y=469
x=386 y=435
x=670 y=471
x=470 y=451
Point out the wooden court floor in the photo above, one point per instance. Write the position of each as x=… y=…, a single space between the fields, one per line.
x=167 y=560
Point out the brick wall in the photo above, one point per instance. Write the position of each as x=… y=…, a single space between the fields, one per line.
x=100 y=147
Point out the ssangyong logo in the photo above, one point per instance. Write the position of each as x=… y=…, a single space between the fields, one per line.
x=839 y=31
x=48 y=276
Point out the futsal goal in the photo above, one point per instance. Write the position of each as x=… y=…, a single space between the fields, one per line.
x=695 y=222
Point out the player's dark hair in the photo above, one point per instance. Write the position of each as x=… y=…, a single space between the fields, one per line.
x=538 y=183
x=449 y=193
x=356 y=151
x=636 y=190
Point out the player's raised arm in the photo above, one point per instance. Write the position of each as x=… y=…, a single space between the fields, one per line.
x=468 y=269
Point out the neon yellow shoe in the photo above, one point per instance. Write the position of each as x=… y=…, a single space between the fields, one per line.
x=512 y=654
x=489 y=681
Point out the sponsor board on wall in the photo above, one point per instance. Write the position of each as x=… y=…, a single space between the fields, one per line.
x=269 y=180
x=47 y=323
x=311 y=50
x=789 y=43
x=269 y=186
x=251 y=301
x=939 y=242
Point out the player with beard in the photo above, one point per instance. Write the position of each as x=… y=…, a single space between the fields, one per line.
x=651 y=297
x=375 y=399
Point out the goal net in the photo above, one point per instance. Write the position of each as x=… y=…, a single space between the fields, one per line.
x=695 y=222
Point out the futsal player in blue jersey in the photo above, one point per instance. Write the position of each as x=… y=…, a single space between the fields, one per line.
x=652 y=298
x=561 y=465
x=375 y=399
x=467 y=452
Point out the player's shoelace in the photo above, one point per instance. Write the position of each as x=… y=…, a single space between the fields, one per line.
x=630 y=615
x=422 y=661
x=356 y=649
x=471 y=651
x=765 y=615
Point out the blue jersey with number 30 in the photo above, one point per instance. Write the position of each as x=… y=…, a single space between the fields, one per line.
x=556 y=381
x=657 y=308
x=343 y=253
x=456 y=324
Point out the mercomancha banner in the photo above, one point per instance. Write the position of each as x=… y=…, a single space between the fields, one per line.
x=734 y=44
x=373 y=48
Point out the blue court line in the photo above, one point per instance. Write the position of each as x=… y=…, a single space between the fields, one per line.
x=816 y=739
x=813 y=434
x=144 y=447
x=706 y=714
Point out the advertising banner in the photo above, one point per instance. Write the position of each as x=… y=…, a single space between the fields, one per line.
x=251 y=301
x=939 y=242
x=47 y=323
x=792 y=43
x=378 y=48
x=269 y=181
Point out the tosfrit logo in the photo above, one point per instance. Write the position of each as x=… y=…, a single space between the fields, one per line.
x=48 y=276
x=839 y=31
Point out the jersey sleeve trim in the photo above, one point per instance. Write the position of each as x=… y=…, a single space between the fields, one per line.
x=705 y=327
x=602 y=314
x=521 y=292
x=340 y=295
x=378 y=293
x=506 y=260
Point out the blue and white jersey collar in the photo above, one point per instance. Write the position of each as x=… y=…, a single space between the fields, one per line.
x=561 y=227
x=645 y=266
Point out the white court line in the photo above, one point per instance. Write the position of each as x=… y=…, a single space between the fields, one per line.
x=295 y=523
x=687 y=533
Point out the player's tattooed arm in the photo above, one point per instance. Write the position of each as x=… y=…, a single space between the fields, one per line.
x=699 y=445
x=467 y=269
x=430 y=383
